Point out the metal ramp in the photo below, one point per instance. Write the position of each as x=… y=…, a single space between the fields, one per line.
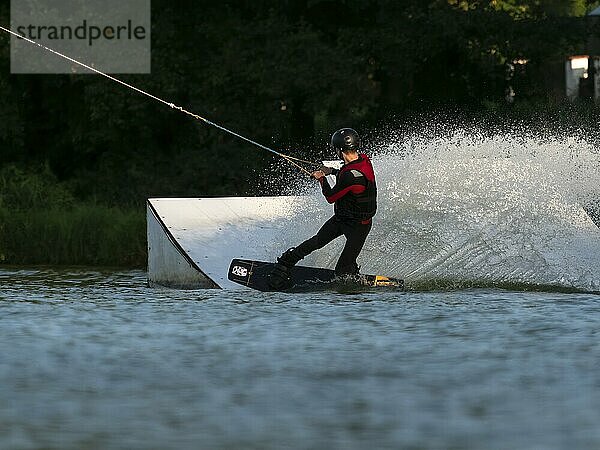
x=191 y=241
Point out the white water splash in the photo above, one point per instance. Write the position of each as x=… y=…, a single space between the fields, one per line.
x=475 y=209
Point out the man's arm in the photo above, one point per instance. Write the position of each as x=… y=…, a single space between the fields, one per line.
x=351 y=181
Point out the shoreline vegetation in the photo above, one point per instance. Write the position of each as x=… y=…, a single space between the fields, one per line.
x=41 y=223
x=84 y=234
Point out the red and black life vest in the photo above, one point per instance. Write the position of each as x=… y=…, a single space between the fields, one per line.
x=355 y=192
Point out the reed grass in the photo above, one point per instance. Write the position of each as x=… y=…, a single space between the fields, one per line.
x=84 y=234
x=43 y=223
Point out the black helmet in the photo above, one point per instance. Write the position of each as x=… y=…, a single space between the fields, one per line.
x=345 y=140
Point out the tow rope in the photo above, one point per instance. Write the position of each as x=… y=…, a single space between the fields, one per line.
x=290 y=159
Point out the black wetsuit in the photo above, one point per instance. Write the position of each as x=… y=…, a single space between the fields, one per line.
x=355 y=199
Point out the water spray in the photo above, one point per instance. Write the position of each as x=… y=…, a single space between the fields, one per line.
x=290 y=159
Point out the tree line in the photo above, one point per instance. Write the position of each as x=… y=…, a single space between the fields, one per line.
x=286 y=73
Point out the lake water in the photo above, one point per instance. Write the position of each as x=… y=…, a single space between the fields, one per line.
x=98 y=360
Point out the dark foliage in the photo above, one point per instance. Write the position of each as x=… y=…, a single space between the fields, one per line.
x=286 y=73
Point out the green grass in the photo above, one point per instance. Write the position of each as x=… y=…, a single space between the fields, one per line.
x=81 y=234
x=43 y=223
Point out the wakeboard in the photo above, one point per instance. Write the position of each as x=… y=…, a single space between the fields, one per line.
x=255 y=275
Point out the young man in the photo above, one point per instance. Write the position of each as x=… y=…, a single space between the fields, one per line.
x=355 y=199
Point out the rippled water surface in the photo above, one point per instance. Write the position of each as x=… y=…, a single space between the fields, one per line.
x=99 y=360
